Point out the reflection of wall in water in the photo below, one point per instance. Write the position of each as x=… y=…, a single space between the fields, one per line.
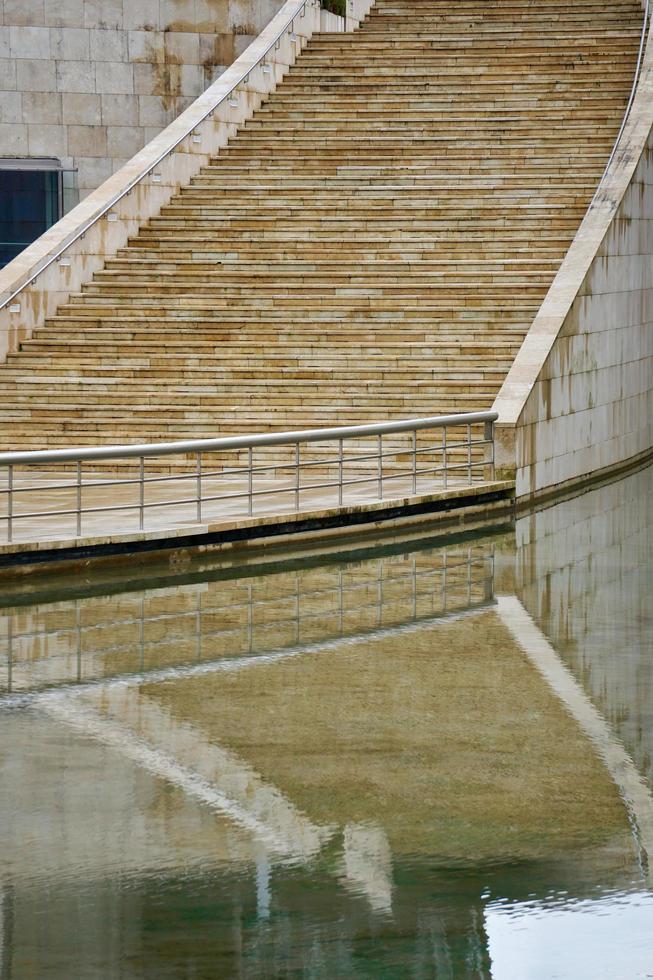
x=584 y=571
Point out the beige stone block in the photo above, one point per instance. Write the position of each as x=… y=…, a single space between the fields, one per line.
x=124 y=141
x=64 y=13
x=141 y=16
x=146 y=46
x=150 y=133
x=7 y=74
x=241 y=43
x=153 y=112
x=182 y=102
x=118 y=162
x=69 y=44
x=11 y=110
x=150 y=79
x=42 y=107
x=108 y=45
x=79 y=109
x=76 y=76
x=217 y=49
x=211 y=17
x=87 y=141
x=47 y=141
x=192 y=80
x=243 y=17
x=182 y=47
x=13 y=139
x=29 y=42
x=119 y=110
x=27 y=12
x=105 y=14
x=265 y=11
x=36 y=76
x=114 y=78
x=5 y=48
x=177 y=15
x=92 y=172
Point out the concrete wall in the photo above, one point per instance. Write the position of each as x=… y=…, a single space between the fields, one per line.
x=92 y=81
x=42 y=277
x=579 y=396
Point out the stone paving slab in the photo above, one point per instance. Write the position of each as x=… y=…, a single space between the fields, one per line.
x=171 y=521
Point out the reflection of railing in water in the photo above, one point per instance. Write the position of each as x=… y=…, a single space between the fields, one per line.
x=90 y=639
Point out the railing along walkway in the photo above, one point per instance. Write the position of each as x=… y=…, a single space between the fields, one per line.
x=68 y=493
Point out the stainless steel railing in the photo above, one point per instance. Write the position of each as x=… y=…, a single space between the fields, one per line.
x=240 y=474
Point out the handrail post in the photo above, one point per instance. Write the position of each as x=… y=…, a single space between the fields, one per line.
x=79 y=498
x=414 y=461
x=250 y=481
x=297 y=475
x=444 y=457
x=469 y=455
x=489 y=450
x=10 y=502
x=141 y=499
x=340 y=468
x=380 y=465
x=198 y=469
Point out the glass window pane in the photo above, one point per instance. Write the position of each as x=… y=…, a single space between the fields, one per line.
x=29 y=205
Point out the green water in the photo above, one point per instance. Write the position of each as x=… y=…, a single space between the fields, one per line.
x=424 y=757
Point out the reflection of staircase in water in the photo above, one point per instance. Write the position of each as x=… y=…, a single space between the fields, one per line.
x=156 y=630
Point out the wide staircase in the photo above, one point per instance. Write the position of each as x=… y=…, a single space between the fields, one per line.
x=372 y=245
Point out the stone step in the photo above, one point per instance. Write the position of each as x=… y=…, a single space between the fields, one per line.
x=372 y=244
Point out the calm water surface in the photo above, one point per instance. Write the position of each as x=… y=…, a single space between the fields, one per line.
x=426 y=758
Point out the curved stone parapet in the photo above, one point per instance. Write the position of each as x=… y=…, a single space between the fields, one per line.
x=34 y=284
x=578 y=399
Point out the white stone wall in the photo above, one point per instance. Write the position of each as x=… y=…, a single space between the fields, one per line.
x=591 y=407
x=92 y=81
x=578 y=397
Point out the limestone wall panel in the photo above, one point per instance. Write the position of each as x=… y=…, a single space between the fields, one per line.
x=66 y=64
x=579 y=397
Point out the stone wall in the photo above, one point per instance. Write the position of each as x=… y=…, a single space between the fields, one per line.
x=592 y=405
x=92 y=81
x=578 y=399
x=45 y=273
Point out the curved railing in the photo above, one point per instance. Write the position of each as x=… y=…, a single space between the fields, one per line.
x=449 y=463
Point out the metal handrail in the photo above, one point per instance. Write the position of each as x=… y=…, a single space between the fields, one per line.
x=82 y=229
x=241 y=442
x=461 y=458
x=633 y=92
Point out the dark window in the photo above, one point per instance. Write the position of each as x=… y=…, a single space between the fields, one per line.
x=29 y=205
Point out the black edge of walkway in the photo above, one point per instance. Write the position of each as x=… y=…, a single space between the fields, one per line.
x=275 y=528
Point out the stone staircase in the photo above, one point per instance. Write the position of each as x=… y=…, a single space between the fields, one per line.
x=372 y=245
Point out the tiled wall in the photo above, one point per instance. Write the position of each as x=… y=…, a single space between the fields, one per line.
x=592 y=404
x=92 y=81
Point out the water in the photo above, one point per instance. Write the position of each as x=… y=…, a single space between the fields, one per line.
x=431 y=757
